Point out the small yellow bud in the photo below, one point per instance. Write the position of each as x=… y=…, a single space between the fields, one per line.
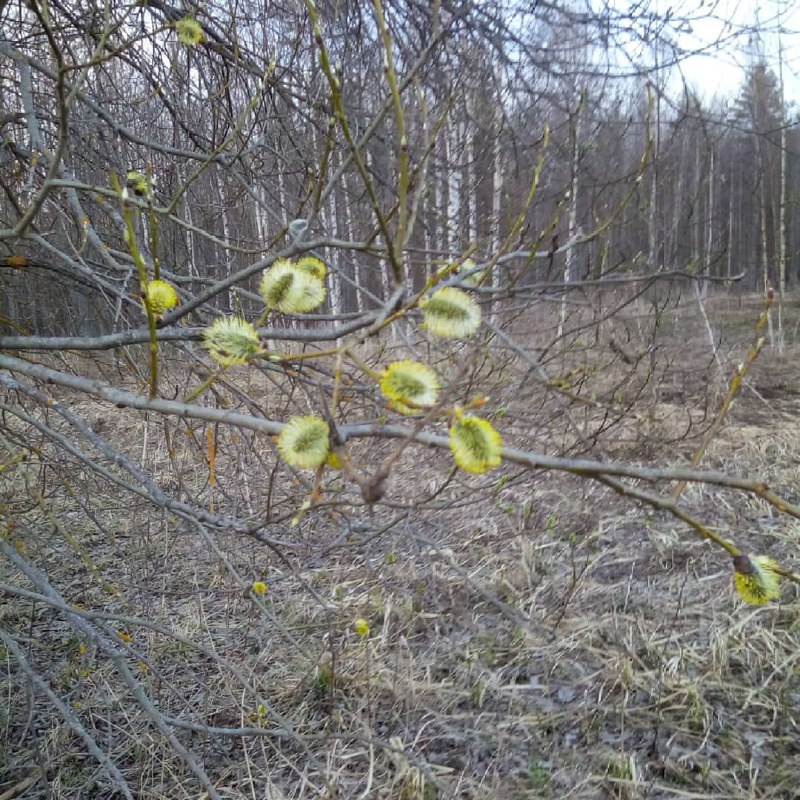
x=161 y=296
x=304 y=443
x=475 y=444
x=138 y=183
x=410 y=386
x=292 y=289
x=361 y=627
x=259 y=588
x=755 y=578
x=451 y=314
x=232 y=341
x=190 y=31
x=333 y=461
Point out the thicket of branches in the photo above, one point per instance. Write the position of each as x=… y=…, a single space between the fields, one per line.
x=239 y=135
x=568 y=193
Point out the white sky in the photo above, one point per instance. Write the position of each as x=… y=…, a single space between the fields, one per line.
x=722 y=30
x=731 y=22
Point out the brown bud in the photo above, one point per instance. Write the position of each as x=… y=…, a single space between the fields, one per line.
x=373 y=490
x=743 y=565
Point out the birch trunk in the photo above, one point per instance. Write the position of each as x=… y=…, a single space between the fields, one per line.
x=443 y=226
x=348 y=231
x=470 y=183
x=709 y=245
x=782 y=205
x=673 y=253
x=652 y=232
x=454 y=186
x=497 y=189
x=498 y=179
x=572 y=216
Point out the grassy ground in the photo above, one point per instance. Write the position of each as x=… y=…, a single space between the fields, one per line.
x=532 y=635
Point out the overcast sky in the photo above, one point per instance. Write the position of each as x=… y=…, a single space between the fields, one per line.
x=731 y=23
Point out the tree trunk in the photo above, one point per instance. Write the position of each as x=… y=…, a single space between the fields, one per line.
x=570 y=258
x=454 y=188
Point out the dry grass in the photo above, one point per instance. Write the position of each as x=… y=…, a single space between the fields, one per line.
x=532 y=635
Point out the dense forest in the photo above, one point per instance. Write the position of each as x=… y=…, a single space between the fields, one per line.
x=239 y=135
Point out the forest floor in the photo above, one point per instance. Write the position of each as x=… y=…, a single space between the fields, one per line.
x=532 y=635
